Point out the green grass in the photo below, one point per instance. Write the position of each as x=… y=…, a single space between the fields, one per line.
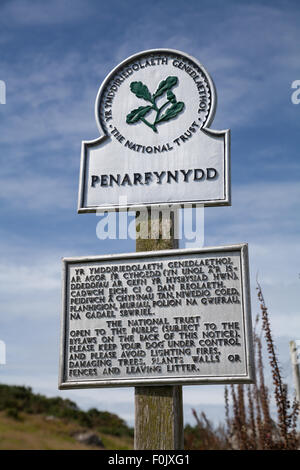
x=24 y=423
x=35 y=432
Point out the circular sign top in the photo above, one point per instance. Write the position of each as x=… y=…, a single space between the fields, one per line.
x=155 y=95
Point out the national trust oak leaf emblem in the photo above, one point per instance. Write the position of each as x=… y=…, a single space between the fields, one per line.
x=171 y=107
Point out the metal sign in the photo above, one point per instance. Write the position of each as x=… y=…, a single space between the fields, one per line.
x=153 y=112
x=157 y=318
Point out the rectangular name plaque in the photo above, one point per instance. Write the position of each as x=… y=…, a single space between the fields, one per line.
x=157 y=318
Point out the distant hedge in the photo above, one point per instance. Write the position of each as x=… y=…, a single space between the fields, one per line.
x=22 y=399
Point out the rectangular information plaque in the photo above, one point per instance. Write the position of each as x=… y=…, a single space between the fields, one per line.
x=157 y=318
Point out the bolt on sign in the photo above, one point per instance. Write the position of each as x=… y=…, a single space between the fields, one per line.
x=154 y=112
x=157 y=318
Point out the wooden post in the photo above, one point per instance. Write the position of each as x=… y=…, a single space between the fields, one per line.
x=158 y=409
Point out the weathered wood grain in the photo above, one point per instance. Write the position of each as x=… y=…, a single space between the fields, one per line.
x=158 y=410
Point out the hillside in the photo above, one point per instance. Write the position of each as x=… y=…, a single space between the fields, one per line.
x=33 y=421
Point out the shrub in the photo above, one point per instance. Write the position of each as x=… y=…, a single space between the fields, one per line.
x=17 y=398
x=251 y=426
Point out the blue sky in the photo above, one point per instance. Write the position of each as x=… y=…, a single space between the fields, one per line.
x=53 y=57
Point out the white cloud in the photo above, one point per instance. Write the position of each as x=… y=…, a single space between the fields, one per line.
x=252 y=53
x=30 y=290
x=36 y=192
x=260 y=210
x=30 y=278
x=204 y=395
x=286 y=323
